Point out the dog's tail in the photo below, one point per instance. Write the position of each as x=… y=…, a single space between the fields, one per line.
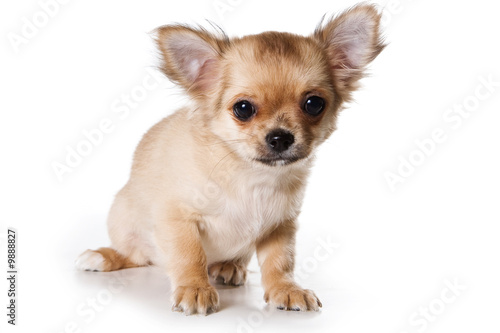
x=104 y=259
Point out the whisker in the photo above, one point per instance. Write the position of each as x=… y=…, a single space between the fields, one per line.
x=225 y=141
x=231 y=152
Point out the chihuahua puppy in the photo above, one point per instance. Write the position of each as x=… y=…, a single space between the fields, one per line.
x=224 y=177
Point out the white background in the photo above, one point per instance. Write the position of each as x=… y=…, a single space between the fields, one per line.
x=396 y=248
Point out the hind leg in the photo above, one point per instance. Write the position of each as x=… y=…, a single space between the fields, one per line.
x=233 y=273
x=127 y=230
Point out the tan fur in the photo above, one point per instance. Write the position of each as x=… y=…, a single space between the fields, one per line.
x=204 y=193
x=114 y=260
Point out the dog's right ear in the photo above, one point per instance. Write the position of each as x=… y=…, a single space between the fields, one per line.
x=191 y=57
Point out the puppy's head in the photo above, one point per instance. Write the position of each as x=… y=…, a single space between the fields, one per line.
x=272 y=97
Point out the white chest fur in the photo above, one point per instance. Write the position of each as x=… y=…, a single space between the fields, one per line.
x=255 y=204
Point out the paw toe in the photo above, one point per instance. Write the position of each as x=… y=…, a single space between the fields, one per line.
x=192 y=299
x=292 y=298
x=228 y=273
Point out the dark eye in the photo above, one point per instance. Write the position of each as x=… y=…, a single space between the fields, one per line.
x=314 y=105
x=243 y=110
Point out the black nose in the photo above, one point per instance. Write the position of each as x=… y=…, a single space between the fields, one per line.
x=279 y=140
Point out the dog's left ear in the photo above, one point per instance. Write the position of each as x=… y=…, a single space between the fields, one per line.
x=352 y=40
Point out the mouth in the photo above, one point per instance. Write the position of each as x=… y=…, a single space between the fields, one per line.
x=279 y=161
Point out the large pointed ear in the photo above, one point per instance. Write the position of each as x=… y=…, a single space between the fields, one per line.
x=352 y=40
x=191 y=57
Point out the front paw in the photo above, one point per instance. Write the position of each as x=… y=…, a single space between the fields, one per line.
x=289 y=296
x=194 y=299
